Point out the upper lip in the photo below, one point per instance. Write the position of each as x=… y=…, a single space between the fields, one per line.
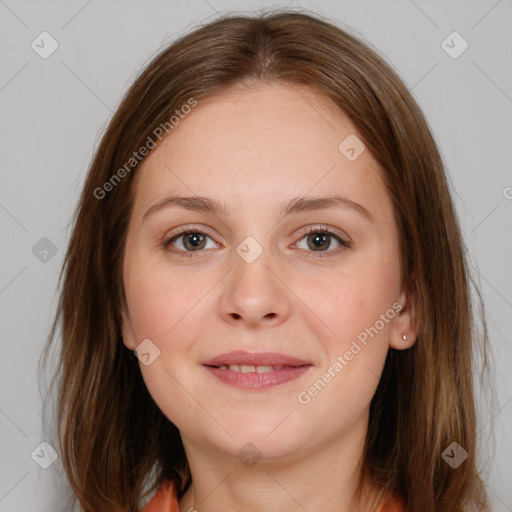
x=255 y=359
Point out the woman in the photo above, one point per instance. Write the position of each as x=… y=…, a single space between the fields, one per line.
x=267 y=226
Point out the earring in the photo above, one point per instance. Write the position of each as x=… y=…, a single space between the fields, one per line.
x=404 y=336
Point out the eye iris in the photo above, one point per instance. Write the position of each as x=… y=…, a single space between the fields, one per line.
x=197 y=241
x=319 y=240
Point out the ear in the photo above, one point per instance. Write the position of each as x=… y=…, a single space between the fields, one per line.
x=404 y=323
x=127 y=331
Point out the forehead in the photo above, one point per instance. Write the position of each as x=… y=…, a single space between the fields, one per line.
x=264 y=143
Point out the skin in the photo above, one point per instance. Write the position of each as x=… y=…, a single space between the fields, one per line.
x=254 y=149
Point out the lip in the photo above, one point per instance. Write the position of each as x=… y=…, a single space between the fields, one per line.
x=258 y=381
x=293 y=369
x=256 y=359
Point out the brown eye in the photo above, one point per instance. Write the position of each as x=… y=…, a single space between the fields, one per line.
x=188 y=241
x=320 y=240
x=194 y=241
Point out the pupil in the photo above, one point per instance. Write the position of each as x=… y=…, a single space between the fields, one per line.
x=319 y=240
x=194 y=239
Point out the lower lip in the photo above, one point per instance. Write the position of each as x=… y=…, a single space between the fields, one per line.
x=254 y=380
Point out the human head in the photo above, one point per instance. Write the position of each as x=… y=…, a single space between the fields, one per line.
x=423 y=400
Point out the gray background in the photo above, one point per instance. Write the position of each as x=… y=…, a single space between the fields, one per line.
x=53 y=111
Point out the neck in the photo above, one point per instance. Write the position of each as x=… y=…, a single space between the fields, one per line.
x=324 y=477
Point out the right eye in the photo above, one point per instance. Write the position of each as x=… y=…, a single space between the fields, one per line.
x=190 y=240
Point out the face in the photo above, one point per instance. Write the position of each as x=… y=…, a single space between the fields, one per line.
x=320 y=282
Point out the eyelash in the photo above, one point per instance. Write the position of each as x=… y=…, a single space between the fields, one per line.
x=309 y=231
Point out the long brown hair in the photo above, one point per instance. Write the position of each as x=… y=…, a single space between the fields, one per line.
x=115 y=443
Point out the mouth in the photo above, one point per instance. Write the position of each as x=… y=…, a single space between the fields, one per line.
x=243 y=358
x=256 y=371
x=250 y=368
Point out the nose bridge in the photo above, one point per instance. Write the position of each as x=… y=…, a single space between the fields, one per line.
x=252 y=260
x=254 y=292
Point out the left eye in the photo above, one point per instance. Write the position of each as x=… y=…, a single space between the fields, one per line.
x=319 y=239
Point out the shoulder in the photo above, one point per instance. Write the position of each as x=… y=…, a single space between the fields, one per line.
x=165 y=498
x=395 y=503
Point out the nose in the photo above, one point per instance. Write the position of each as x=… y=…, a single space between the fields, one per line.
x=254 y=294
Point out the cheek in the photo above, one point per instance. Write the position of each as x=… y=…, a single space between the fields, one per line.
x=340 y=392
x=165 y=307
x=354 y=298
x=356 y=305
x=160 y=298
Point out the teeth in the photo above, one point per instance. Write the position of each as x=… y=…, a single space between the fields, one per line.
x=249 y=368
x=265 y=369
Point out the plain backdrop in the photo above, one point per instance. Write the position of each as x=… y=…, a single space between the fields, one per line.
x=54 y=108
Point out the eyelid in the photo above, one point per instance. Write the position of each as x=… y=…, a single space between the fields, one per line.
x=186 y=229
x=315 y=228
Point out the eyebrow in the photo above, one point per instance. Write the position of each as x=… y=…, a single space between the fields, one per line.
x=295 y=206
